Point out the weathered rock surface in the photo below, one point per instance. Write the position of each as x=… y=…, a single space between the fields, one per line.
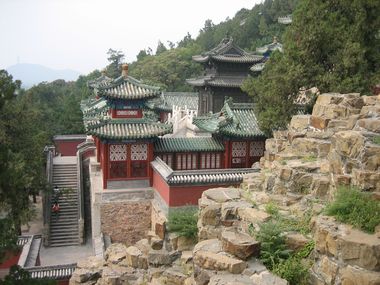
x=239 y=244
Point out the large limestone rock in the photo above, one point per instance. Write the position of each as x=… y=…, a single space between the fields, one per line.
x=345 y=244
x=267 y=278
x=239 y=244
x=215 y=261
x=115 y=253
x=222 y=195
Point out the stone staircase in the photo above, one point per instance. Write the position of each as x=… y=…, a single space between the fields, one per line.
x=64 y=228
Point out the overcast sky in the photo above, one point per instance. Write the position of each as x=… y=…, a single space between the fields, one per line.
x=76 y=34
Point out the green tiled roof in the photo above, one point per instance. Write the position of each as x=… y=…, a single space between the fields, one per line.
x=227 y=51
x=94 y=111
x=234 y=120
x=101 y=81
x=128 y=88
x=121 y=129
x=188 y=144
x=168 y=99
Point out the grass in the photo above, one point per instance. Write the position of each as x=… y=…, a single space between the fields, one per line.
x=376 y=140
x=183 y=222
x=309 y=158
x=356 y=208
x=272 y=209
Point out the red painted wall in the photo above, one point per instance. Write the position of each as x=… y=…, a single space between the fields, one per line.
x=67 y=148
x=63 y=282
x=161 y=187
x=175 y=196
x=10 y=259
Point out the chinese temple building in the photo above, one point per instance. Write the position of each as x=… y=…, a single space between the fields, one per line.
x=225 y=68
x=137 y=163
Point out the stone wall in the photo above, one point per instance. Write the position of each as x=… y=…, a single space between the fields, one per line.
x=338 y=144
x=126 y=221
x=344 y=255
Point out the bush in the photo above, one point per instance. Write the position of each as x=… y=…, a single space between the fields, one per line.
x=355 y=208
x=184 y=222
x=293 y=270
x=273 y=249
x=272 y=209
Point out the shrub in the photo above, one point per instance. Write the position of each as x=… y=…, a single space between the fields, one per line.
x=293 y=270
x=184 y=222
x=355 y=208
x=272 y=209
x=273 y=249
x=376 y=139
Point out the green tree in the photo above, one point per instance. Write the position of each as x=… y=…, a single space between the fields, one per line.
x=115 y=57
x=160 y=48
x=332 y=45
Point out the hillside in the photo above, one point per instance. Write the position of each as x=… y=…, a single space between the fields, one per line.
x=32 y=74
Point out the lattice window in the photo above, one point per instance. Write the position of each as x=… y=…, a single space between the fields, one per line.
x=186 y=161
x=256 y=148
x=210 y=160
x=139 y=152
x=239 y=149
x=118 y=152
x=167 y=158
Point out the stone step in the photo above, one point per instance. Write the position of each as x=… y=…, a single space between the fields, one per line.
x=60 y=244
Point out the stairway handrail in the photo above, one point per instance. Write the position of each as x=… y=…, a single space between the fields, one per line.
x=50 y=153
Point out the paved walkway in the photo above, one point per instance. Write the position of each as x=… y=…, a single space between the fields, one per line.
x=55 y=255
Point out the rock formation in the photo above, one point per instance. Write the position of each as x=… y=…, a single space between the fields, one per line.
x=338 y=144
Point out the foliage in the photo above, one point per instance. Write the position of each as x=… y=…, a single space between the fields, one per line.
x=376 y=140
x=184 y=222
x=115 y=58
x=276 y=257
x=355 y=208
x=309 y=158
x=331 y=45
x=272 y=209
x=249 y=29
x=7 y=87
x=300 y=224
x=168 y=69
x=273 y=249
x=8 y=236
x=19 y=276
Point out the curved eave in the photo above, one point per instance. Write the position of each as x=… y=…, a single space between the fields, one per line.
x=238 y=59
x=129 y=96
x=96 y=133
x=195 y=82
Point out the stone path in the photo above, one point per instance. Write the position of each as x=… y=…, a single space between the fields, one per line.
x=55 y=255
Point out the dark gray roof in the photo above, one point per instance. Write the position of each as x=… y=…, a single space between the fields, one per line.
x=169 y=99
x=217 y=81
x=227 y=51
x=203 y=176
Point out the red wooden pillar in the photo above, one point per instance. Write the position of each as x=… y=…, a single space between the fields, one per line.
x=105 y=167
x=97 y=144
x=247 y=155
x=227 y=154
x=150 y=158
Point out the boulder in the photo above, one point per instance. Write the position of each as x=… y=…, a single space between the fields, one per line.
x=319 y=122
x=352 y=275
x=299 y=122
x=135 y=258
x=222 y=195
x=295 y=241
x=348 y=143
x=219 y=262
x=239 y=244
x=253 y=215
x=160 y=257
x=229 y=279
x=156 y=243
x=174 y=276
x=267 y=278
x=370 y=124
x=210 y=215
x=82 y=275
x=346 y=244
x=115 y=253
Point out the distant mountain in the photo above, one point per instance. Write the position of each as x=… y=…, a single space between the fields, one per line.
x=31 y=74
